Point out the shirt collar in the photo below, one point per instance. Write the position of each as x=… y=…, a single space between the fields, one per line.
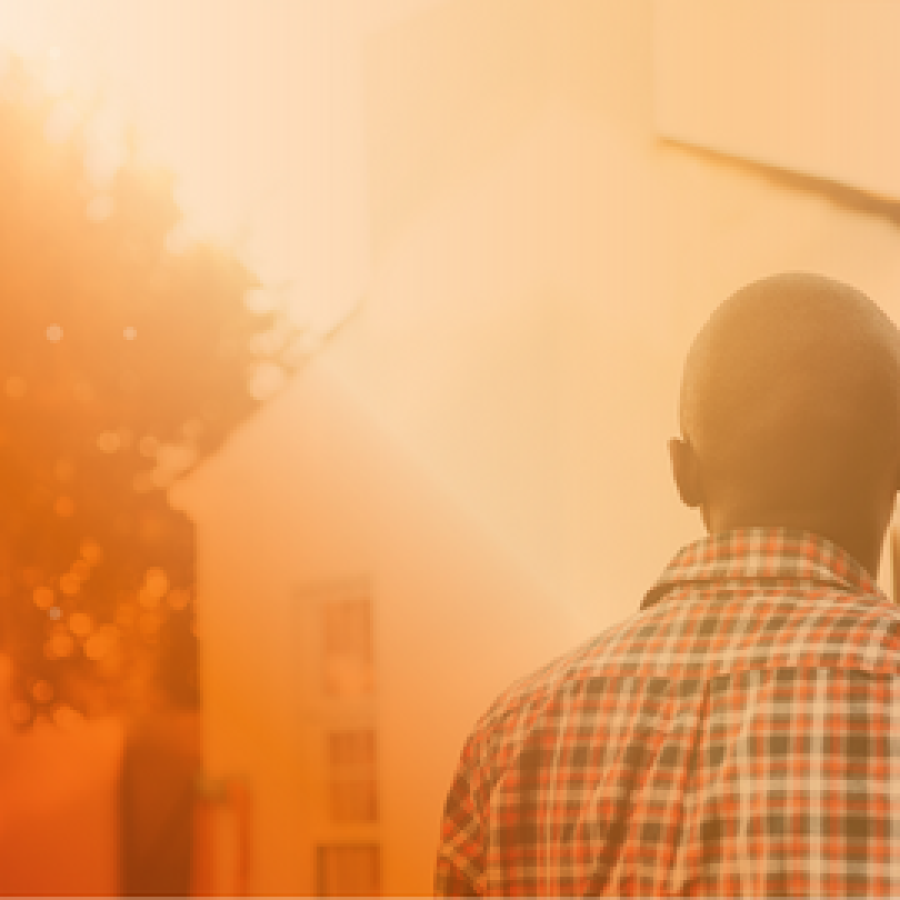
x=764 y=554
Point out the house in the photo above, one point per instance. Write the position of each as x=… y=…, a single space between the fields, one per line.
x=470 y=475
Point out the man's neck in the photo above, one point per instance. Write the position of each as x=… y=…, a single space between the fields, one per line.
x=862 y=543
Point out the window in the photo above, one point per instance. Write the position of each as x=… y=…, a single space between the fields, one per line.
x=352 y=780
x=348 y=664
x=348 y=870
x=339 y=741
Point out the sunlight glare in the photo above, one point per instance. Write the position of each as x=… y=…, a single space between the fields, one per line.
x=256 y=108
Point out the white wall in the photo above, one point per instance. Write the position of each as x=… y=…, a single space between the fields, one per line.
x=485 y=439
x=345 y=501
x=808 y=85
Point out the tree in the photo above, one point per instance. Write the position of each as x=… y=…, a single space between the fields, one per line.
x=125 y=358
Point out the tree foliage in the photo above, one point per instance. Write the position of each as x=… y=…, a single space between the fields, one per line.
x=125 y=358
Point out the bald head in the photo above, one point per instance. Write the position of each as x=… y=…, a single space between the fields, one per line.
x=790 y=409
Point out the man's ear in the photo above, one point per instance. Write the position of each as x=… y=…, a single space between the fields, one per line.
x=686 y=471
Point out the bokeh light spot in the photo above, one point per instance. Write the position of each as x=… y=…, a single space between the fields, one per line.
x=54 y=612
x=64 y=507
x=108 y=442
x=69 y=584
x=43 y=597
x=156 y=586
x=42 y=691
x=148 y=446
x=91 y=551
x=66 y=718
x=80 y=624
x=62 y=645
x=100 y=643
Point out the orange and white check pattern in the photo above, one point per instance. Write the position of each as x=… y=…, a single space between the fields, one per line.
x=739 y=736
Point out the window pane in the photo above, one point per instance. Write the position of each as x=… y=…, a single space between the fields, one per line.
x=354 y=801
x=348 y=664
x=348 y=870
x=351 y=748
x=352 y=778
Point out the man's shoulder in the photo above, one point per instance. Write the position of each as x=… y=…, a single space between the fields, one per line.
x=706 y=633
x=524 y=701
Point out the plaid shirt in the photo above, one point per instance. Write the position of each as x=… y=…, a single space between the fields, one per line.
x=739 y=736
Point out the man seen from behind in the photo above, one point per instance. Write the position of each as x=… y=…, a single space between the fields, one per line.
x=739 y=735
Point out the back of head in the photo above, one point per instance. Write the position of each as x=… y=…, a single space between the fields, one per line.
x=790 y=402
